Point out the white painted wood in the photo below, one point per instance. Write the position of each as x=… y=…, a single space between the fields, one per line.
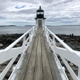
x=7 y=68
x=66 y=53
x=70 y=70
x=12 y=53
x=79 y=73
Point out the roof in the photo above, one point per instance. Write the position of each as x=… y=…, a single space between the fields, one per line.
x=40 y=10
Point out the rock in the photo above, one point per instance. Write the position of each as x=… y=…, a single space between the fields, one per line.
x=71 y=64
x=17 y=45
x=8 y=75
x=1 y=45
x=9 y=41
x=51 y=36
x=59 y=45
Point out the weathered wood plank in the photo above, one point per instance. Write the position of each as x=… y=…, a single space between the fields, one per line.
x=30 y=70
x=55 y=72
x=38 y=68
x=22 y=70
x=46 y=67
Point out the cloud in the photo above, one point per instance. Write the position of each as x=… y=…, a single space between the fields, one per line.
x=19 y=7
x=56 y=11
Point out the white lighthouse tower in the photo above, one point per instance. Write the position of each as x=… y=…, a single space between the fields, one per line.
x=40 y=20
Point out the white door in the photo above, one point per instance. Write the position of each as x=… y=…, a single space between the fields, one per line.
x=40 y=23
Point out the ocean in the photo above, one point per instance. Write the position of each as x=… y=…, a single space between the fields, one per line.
x=55 y=29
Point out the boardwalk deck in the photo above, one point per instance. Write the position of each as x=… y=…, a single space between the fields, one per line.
x=41 y=64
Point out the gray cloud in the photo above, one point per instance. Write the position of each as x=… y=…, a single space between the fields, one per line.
x=47 y=1
x=26 y=1
x=28 y=11
x=62 y=11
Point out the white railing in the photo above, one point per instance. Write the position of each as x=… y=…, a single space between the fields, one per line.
x=66 y=54
x=11 y=53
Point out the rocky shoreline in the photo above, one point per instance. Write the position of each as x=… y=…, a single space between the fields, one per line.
x=6 y=40
x=70 y=40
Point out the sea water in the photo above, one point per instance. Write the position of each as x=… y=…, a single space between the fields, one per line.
x=14 y=29
x=65 y=30
x=55 y=29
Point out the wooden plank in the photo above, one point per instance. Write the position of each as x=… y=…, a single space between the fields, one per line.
x=41 y=64
x=31 y=46
x=23 y=67
x=46 y=68
x=55 y=72
x=38 y=68
x=30 y=70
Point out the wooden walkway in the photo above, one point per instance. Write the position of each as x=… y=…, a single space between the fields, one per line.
x=39 y=62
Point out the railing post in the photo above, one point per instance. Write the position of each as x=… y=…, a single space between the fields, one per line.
x=54 y=46
x=46 y=35
x=31 y=35
x=34 y=31
x=24 y=41
x=79 y=73
x=54 y=42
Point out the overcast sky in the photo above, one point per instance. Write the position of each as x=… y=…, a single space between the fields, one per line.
x=57 y=12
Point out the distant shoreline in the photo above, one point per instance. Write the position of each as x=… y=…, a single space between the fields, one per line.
x=14 y=25
x=33 y=25
x=55 y=29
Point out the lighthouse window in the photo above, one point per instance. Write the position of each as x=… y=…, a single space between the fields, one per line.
x=40 y=13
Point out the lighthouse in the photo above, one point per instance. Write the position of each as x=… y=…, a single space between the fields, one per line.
x=40 y=20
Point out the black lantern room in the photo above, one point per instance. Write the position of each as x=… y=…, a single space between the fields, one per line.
x=40 y=13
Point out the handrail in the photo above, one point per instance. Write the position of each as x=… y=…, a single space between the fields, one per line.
x=15 y=42
x=11 y=52
x=64 y=44
x=66 y=54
